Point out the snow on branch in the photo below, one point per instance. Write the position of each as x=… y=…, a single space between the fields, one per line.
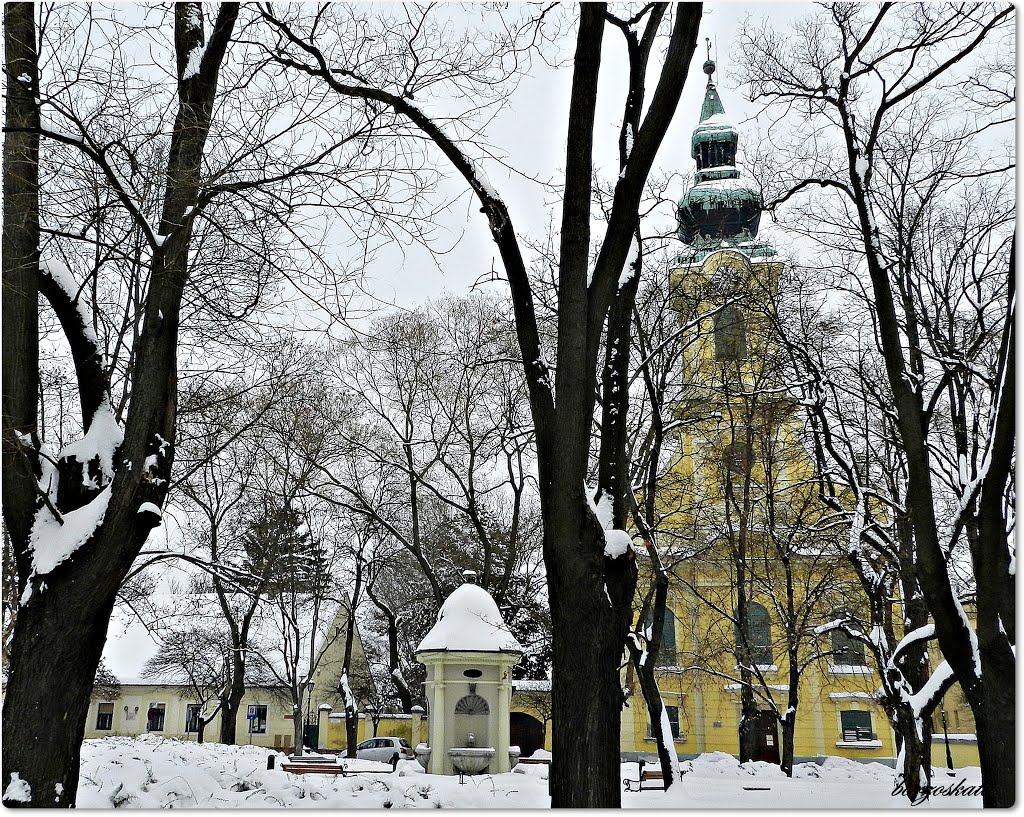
x=617 y=542
x=924 y=700
x=53 y=543
x=924 y=633
x=98 y=445
x=57 y=272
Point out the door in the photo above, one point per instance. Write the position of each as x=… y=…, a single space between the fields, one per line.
x=363 y=750
x=312 y=736
x=526 y=732
x=766 y=737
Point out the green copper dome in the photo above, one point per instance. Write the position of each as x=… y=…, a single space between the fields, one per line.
x=719 y=208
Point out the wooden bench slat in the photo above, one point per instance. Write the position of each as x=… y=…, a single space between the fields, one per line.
x=646 y=775
x=312 y=768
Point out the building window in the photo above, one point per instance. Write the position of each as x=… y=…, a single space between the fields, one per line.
x=673 y=722
x=846 y=651
x=667 y=652
x=192 y=716
x=730 y=331
x=105 y=716
x=759 y=634
x=856 y=726
x=257 y=715
x=155 y=717
x=738 y=458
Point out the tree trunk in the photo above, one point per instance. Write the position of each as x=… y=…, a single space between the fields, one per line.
x=231 y=703
x=394 y=655
x=47 y=702
x=655 y=707
x=996 y=743
x=914 y=752
x=792 y=702
x=748 y=717
x=351 y=732
x=788 y=741
x=644 y=665
x=997 y=701
x=20 y=264
x=298 y=722
x=586 y=692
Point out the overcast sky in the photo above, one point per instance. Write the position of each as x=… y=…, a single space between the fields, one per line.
x=531 y=131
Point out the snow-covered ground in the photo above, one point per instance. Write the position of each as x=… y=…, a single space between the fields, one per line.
x=152 y=772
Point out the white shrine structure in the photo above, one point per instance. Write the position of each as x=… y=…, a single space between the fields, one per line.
x=469 y=654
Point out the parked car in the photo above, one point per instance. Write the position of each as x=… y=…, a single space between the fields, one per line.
x=385 y=750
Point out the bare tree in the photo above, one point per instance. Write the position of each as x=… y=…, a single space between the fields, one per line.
x=862 y=471
x=111 y=516
x=591 y=592
x=196 y=657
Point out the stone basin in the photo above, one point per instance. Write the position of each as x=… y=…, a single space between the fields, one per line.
x=423 y=755
x=471 y=759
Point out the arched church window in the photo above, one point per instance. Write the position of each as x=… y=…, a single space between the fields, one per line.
x=730 y=333
x=759 y=634
x=667 y=652
x=738 y=458
x=846 y=650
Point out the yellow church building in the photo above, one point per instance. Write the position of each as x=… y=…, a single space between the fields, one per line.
x=744 y=537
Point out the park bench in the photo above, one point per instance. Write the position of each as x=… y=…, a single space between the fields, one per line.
x=645 y=775
x=535 y=761
x=302 y=766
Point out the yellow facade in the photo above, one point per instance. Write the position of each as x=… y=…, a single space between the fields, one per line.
x=740 y=506
x=132 y=707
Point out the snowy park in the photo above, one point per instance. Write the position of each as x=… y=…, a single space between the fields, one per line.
x=509 y=405
x=152 y=773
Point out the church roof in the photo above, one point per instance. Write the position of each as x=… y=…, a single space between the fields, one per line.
x=712 y=101
x=470 y=621
x=720 y=209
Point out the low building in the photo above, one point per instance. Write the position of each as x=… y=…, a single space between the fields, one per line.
x=167 y=697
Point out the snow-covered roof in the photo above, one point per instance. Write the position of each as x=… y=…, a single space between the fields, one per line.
x=470 y=621
x=130 y=643
x=532 y=685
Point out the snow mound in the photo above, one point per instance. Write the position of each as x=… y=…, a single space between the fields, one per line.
x=720 y=764
x=842 y=768
x=154 y=772
x=18 y=790
x=711 y=764
x=151 y=772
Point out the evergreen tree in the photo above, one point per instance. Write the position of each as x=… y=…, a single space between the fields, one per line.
x=281 y=555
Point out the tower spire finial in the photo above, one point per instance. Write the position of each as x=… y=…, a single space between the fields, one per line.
x=709 y=64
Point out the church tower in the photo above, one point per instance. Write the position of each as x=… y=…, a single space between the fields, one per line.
x=725 y=280
x=751 y=554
